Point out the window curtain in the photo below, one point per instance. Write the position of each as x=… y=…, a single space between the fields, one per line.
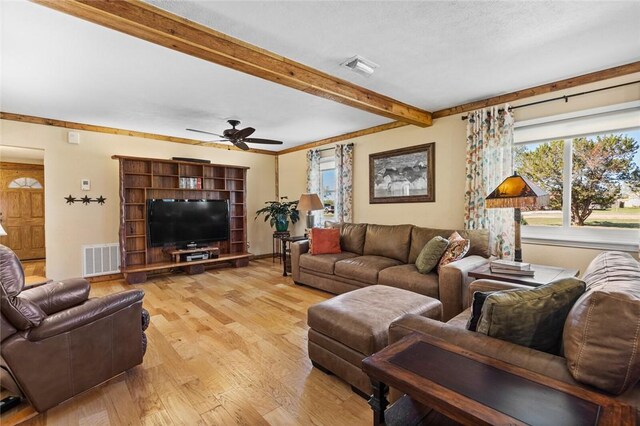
x=313 y=171
x=489 y=162
x=344 y=183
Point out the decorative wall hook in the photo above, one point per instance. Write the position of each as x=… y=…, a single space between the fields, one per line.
x=85 y=200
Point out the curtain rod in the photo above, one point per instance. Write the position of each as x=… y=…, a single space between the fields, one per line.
x=565 y=97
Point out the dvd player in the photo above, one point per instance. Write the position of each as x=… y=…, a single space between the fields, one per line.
x=196 y=256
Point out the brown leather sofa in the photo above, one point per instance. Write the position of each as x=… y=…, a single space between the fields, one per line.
x=57 y=343
x=600 y=338
x=386 y=255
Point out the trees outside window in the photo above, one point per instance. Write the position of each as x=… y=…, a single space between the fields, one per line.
x=600 y=171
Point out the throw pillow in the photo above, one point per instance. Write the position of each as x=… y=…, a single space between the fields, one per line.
x=456 y=250
x=531 y=317
x=431 y=254
x=476 y=309
x=325 y=241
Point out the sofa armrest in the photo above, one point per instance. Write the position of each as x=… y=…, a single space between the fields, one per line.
x=297 y=249
x=56 y=296
x=492 y=285
x=89 y=311
x=453 y=284
x=530 y=359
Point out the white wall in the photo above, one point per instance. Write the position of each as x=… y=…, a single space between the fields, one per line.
x=68 y=227
x=449 y=134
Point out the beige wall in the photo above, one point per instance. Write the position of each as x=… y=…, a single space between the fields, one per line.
x=449 y=134
x=68 y=227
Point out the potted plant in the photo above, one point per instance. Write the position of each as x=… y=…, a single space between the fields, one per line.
x=279 y=212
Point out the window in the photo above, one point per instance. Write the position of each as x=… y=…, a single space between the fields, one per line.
x=328 y=186
x=589 y=163
x=25 y=182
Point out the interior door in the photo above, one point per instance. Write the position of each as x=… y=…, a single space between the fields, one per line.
x=22 y=209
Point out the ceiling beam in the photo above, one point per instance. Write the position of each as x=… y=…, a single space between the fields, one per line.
x=542 y=89
x=155 y=25
x=568 y=83
x=345 y=136
x=115 y=131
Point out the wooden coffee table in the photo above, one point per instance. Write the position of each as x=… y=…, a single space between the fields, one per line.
x=475 y=389
x=543 y=275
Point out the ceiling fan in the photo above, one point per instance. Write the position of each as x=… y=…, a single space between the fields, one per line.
x=238 y=137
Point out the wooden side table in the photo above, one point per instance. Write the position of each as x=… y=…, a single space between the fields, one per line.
x=286 y=244
x=474 y=389
x=543 y=275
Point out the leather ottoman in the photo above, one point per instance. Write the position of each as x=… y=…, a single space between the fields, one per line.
x=347 y=328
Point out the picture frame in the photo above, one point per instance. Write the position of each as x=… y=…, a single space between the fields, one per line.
x=404 y=175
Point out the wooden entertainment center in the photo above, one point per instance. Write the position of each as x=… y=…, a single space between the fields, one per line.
x=143 y=179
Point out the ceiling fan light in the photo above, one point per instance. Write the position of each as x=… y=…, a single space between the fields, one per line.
x=360 y=65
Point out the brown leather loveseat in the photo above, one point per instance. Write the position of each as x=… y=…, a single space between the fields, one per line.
x=384 y=254
x=600 y=336
x=57 y=343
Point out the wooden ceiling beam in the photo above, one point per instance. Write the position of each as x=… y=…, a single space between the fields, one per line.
x=157 y=26
x=345 y=136
x=542 y=89
x=115 y=131
x=568 y=83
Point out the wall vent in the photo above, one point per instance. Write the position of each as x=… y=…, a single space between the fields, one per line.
x=100 y=259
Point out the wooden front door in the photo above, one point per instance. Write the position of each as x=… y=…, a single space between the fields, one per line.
x=22 y=209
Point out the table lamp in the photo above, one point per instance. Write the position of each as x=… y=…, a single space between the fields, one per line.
x=517 y=192
x=2 y=231
x=310 y=203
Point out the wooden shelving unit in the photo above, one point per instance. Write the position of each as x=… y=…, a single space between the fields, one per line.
x=142 y=179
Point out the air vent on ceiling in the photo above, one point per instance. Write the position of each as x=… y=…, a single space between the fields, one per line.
x=360 y=65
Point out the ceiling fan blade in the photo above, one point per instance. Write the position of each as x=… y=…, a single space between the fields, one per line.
x=265 y=141
x=241 y=134
x=206 y=133
x=241 y=145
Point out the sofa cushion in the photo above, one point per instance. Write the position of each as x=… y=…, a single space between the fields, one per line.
x=323 y=262
x=388 y=241
x=531 y=317
x=325 y=241
x=431 y=254
x=352 y=237
x=479 y=239
x=601 y=331
x=363 y=268
x=360 y=319
x=407 y=277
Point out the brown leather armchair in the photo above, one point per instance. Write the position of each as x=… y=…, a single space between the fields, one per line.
x=55 y=342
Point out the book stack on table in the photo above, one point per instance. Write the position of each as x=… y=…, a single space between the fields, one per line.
x=510 y=267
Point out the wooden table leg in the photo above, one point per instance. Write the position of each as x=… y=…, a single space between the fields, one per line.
x=378 y=402
x=284 y=258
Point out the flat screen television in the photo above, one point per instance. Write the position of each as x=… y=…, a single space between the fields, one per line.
x=182 y=222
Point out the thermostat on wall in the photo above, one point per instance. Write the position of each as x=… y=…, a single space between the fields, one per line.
x=85 y=184
x=73 y=138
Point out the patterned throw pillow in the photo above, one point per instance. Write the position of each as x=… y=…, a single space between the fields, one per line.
x=458 y=247
x=431 y=254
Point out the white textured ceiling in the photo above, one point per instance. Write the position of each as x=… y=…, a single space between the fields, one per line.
x=431 y=54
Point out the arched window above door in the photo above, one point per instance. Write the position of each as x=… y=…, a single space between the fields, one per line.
x=25 y=182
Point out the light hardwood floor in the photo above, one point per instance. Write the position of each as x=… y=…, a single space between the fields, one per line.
x=225 y=347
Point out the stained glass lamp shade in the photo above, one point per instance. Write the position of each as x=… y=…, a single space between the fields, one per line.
x=517 y=192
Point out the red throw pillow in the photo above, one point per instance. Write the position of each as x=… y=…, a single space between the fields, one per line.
x=325 y=241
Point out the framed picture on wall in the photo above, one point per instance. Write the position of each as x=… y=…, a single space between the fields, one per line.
x=405 y=175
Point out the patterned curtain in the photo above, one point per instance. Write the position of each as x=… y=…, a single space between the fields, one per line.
x=313 y=171
x=344 y=183
x=489 y=162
